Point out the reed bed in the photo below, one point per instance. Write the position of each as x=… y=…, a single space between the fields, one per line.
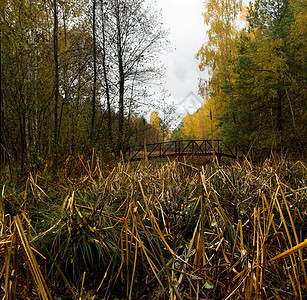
x=168 y=230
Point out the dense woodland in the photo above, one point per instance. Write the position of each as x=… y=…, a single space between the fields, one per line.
x=256 y=93
x=72 y=76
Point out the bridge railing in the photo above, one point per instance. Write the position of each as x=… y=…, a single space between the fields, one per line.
x=179 y=148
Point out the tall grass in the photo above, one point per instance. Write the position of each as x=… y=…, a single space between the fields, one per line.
x=161 y=231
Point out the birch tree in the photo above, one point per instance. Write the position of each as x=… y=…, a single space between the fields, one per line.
x=217 y=55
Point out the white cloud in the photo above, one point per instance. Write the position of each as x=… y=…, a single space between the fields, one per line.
x=187 y=33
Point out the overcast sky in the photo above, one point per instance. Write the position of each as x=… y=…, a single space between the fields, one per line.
x=187 y=33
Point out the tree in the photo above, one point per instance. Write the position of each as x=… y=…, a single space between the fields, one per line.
x=105 y=69
x=217 y=55
x=156 y=130
x=167 y=111
x=266 y=104
x=1 y=109
x=21 y=44
x=56 y=80
x=95 y=72
x=177 y=132
x=2 y=10
x=132 y=36
x=29 y=85
x=71 y=70
x=195 y=126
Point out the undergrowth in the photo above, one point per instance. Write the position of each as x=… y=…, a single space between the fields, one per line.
x=157 y=231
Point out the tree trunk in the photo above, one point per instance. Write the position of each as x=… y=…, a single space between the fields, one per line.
x=279 y=124
x=279 y=112
x=105 y=76
x=65 y=77
x=121 y=110
x=121 y=83
x=1 y=113
x=95 y=74
x=56 y=83
x=22 y=132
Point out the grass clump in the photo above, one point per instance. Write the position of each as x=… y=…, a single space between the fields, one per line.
x=165 y=231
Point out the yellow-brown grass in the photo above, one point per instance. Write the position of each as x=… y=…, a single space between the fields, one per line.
x=165 y=231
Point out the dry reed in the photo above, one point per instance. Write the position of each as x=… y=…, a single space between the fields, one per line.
x=165 y=231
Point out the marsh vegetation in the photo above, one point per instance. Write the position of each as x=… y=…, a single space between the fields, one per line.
x=168 y=230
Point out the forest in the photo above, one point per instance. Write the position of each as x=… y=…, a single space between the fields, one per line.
x=79 y=221
x=73 y=74
x=256 y=93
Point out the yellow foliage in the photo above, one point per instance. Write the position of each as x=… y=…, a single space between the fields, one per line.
x=156 y=134
x=218 y=56
x=155 y=120
x=244 y=14
x=200 y=125
x=299 y=29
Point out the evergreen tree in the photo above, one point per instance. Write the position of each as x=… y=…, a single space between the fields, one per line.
x=266 y=107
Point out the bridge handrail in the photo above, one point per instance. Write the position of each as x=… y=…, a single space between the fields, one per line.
x=163 y=147
x=170 y=142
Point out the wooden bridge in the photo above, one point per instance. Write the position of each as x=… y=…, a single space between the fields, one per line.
x=180 y=148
